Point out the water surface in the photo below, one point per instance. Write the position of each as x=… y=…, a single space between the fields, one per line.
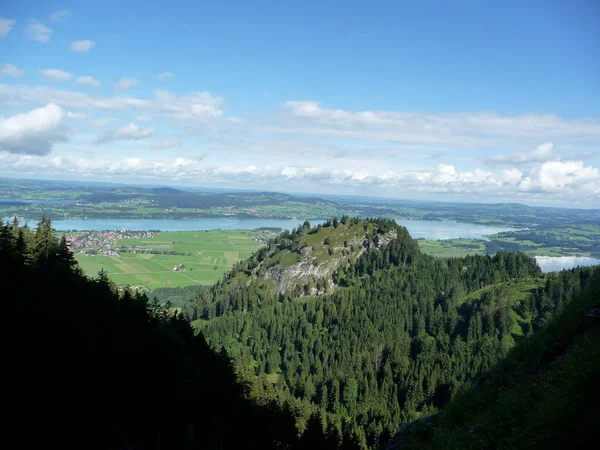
x=427 y=229
x=450 y=229
x=173 y=224
x=554 y=263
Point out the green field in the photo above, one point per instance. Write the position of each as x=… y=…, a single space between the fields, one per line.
x=207 y=256
x=452 y=247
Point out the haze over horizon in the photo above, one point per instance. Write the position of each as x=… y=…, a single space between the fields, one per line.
x=460 y=102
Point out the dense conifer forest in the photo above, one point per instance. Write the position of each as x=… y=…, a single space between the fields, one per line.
x=387 y=337
x=89 y=367
x=543 y=395
x=399 y=336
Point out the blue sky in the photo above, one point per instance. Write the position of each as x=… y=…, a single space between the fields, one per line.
x=467 y=101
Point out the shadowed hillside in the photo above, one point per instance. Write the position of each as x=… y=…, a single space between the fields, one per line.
x=543 y=395
x=92 y=368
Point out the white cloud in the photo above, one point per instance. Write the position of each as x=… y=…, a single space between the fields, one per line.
x=562 y=176
x=56 y=75
x=11 y=71
x=164 y=75
x=81 y=46
x=22 y=95
x=450 y=130
x=5 y=26
x=169 y=143
x=38 y=32
x=511 y=176
x=60 y=15
x=192 y=108
x=76 y=115
x=540 y=154
x=444 y=180
x=127 y=132
x=126 y=83
x=101 y=123
x=87 y=81
x=34 y=132
x=199 y=106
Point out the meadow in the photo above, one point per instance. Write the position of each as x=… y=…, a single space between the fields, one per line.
x=202 y=256
x=451 y=248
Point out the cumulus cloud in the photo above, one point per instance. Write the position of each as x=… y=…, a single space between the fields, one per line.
x=562 y=176
x=444 y=179
x=11 y=71
x=5 y=26
x=87 y=81
x=38 y=32
x=164 y=75
x=60 y=15
x=126 y=83
x=129 y=132
x=167 y=143
x=541 y=154
x=56 y=75
x=81 y=46
x=511 y=176
x=34 y=132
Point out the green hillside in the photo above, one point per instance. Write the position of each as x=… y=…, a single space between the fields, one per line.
x=329 y=353
x=543 y=395
x=378 y=334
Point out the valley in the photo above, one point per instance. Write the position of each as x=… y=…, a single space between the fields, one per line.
x=537 y=231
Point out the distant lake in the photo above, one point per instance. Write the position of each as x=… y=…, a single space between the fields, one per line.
x=450 y=229
x=173 y=224
x=427 y=229
x=37 y=202
x=554 y=263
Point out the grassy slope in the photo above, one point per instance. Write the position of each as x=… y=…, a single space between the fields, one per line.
x=452 y=247
x=544 y=395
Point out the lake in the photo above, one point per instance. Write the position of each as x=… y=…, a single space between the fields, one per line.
x=427 y=229
x=174 y=224
x=450 y=229
x=554 y=263
x=37 y=202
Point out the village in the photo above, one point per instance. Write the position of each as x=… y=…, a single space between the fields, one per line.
x=102 y=242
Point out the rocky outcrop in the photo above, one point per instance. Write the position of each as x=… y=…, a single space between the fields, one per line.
x=308 y=270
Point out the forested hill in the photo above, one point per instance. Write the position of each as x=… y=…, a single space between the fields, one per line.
x=544 y=395
x=87 y=367
x=385 y=336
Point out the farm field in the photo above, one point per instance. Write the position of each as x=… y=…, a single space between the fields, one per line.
x=451 y=247
x=202 y=256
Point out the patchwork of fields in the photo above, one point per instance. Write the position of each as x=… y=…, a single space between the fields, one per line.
x=203 y=258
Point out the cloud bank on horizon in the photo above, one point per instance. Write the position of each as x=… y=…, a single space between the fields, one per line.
x=84 y=112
